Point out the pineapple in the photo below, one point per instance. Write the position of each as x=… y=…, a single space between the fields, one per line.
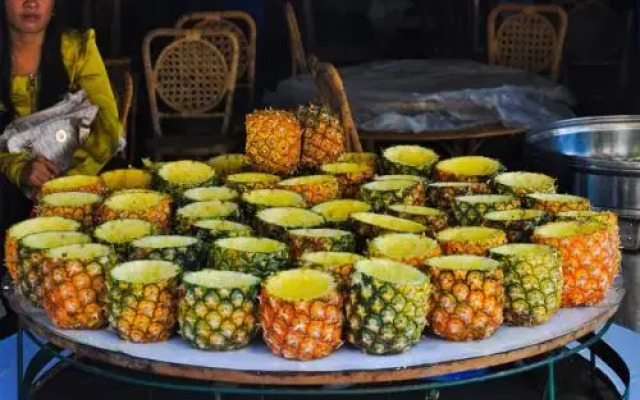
x=142 y=300
x=274 y=222
x=184 y=251
x=407 y=248
x=470 y=240
x=350 y=177
x=260 y=199
x=370 y=159
x=31 y=254
x=301 y=314
x=408 y=160
x=322 y=136
x=336 y=212
x=476 y=169
x=382 y=194
x=74 y=183
x=78 y=206
x=209 y=230
x=338 y=264
x=274 y=141
x=588 y=259
x=73 y=293
x=218 y=310
x=315 y=188
x=467 y=297
x=522 y=183
x=387 y=306
x=369 y=225
x=555 y=203
x=260 y=257
x=151 y=206
x=229 y=164
x=129 y=178
x=441 y=194
x=302 y=241
x=213 y=209
x=29 y=227
x=532 y=282
x=435 y=220
x=120 y=233
x=517 y=224
x=220 y=193
x=152 y=166
x=177 y=176
x=470 y=210
x=420 y=180
x=247 y=181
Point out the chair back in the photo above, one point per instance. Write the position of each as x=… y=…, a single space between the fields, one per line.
x=526 y=38
x=190 y=77
x=298 y=57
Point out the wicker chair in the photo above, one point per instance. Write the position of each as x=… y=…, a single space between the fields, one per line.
x=124 y=90
x=298 y=58
x=526 y=37
x=233 y=21
x=190 y=79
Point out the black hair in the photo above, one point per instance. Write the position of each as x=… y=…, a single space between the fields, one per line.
x=52 y=75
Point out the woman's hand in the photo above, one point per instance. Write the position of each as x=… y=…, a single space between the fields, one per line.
x=39 y=171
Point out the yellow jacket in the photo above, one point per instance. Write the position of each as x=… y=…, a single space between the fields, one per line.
x=86 y=71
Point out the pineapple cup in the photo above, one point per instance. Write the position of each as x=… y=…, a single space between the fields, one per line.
x=556 y=203
x=387 y=306
x=148 y=205
x=213 y=209
x=260 y=199
x=73 y=285
x=176 y=177
x=29 y=227
x=532 y=282
x=441 y=194
x=221 y=193
x=370 y=159
x=74 y=183
x=382 y=194
x=435 y=220
x=470 y=240
x=350 y=177
x=210 y=230
x=475 y=169
x=338 y=264
x=120 y=233
x=142 y=300
x=523 y=183
x=406 y=248
x=228 y=164
x=470 y=210
x=275 y=222
x=218 y=310
x=589 y=261
x=302 y=241
x=408 y=160
x=129 y=178
x=336 y=212
x=301 y=314
x=467 y=297
x=315 y=188
x=517 y=224
x=78 y=206
x=184 y=251
x=248 y=181
x=31 y=255
x=369 y=225
x=260 y=257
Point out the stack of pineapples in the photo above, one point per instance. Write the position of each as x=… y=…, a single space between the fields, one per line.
x=311 y=246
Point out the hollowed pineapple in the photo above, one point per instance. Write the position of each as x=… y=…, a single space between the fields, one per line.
x=301 y=314
x=142 y=300
x=120 y=233
x=555 y=203
x=229 y=164
x=260 y=199
x=73 y=285
x=350 y=177
x=274 y=222
x=29 y=227
x=274 y=141
x=184 y=251
x=256 y=256
x=151 y=206
x=74 y=183
x=78 y=206
x=441 y=194
x=467 y=169
x=247 y=181
x=517 y=224
x=218 y=310
x=408 y=160
x=129 y=178
x=387 y=306
x=382 y=194
x=336 y=212
x=302 y=241
x=209 y=230
x=178 y=176
x=187 y=215
x=470 y=210
x=406 y=248
x=338 y=264
x=470 y=240
x=435 y=220
x=209 y=193
x=521 y=183
x=370 y=159
x=315 y=188
x=369 y=225
x=467 y=297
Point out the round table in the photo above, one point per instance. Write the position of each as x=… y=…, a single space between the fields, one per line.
x=174 y=365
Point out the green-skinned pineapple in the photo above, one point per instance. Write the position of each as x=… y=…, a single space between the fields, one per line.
x=229 y=164
x=176 y=177
x=470 y=210
x=338 y=264
x=420 y=180
x=275 y=222
x=440 y=195
x=408 y=160
x=260 y=199
x=218 y=310
x=301 y=241
x=247 y=181
x=184 y=251
x=382 y=194
x=532 y=282
x=210 y=230
x=213 y=209
x=142 y=300
x=120 y=233
x=517 y=224
x=260 y=257
x=336 y=212
x=522 y=183
x=221 y=193
x=369 y=225
x=387 y=306
x=467 y=169
x=435 y=220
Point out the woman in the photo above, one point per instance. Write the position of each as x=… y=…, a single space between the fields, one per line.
x=39 y=63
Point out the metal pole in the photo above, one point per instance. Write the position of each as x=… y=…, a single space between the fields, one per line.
x=551 y=383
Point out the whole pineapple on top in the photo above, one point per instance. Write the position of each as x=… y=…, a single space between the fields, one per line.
x=322 y=136
x=274 y=141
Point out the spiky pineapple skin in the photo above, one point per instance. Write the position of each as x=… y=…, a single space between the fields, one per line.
x=555 y=207
x=266 y=181
x=366 y=231
x=82 y=213
x=189 y=258
x=123 y=249
x=317 y=192
x=381 y=200
x=258 y=264
x=418 y=262
x=341 y=272
x=229 y=164
x=442 y=197
x=466 y=304
x=433 y=223
x=208 y=236
x=277 y=232
x=160 y=214
x=250 y=209
x=274 y=141
x=466 y=213
x=322 y=136
x=370 y=159
x=218 y=319
x=474 y=247
x=344 y=241
x=350 y=183
x=97 y=188
x=518 y=231
x=183 y=224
